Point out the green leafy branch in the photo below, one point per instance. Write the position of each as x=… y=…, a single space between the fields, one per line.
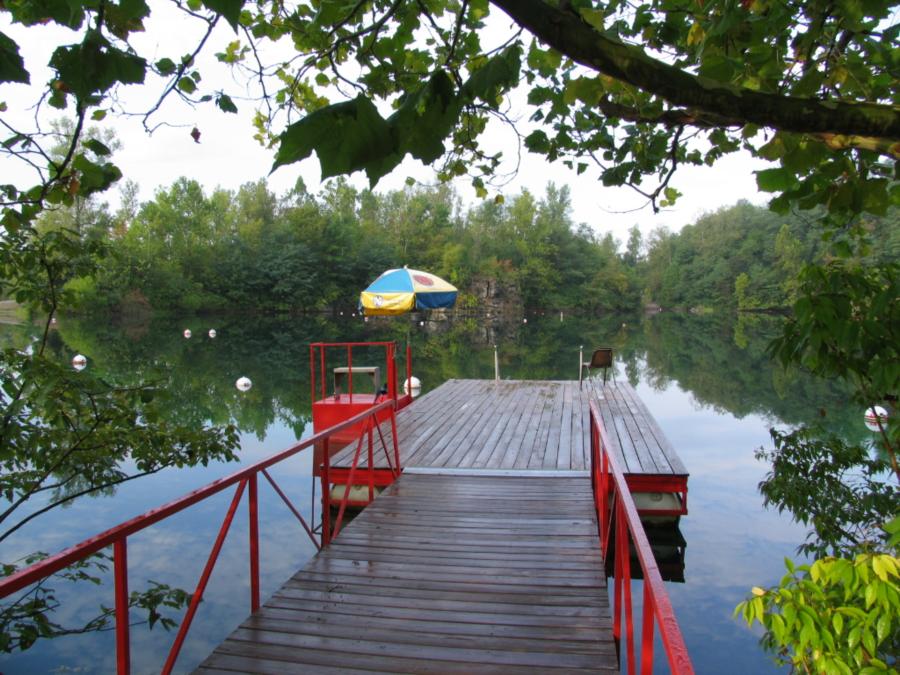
x=835 y=616
x=834 y=486
x=28 y=618
x=352 y=135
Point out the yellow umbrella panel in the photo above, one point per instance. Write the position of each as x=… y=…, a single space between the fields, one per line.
x=387 y=304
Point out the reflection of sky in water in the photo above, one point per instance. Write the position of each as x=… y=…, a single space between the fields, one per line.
x=732 y=542
x=173 y=552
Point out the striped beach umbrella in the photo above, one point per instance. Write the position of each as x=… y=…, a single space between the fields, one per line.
x=403 y=290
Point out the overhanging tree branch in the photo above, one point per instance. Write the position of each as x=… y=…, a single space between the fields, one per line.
x=570 y=35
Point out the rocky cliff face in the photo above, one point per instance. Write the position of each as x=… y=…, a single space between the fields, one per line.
x=497 y=304
x=495 y=297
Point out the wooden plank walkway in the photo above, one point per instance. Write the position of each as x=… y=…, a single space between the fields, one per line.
x=444 y=574
x=506 y=424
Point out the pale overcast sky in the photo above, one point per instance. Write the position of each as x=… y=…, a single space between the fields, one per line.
x=227 y=155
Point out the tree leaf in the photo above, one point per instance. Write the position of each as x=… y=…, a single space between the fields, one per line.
x=498 y=75
x=165 y=66
x=94 y=66
x=63 y=12
x=230 y=9
x=775 y=180
x=226 y=104
x=347 y=137
x=187 y=85
x=95 y=177
x=426 y=118
x=12 y=67
x=126 y=17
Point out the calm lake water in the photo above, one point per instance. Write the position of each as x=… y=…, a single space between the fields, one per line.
x=706 y=380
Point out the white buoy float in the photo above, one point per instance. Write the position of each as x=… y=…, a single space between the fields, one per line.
x=212 y=332
x=187 y=333
x=79 y=362
x=243 y=384
x=874 y=415
x=412 y=386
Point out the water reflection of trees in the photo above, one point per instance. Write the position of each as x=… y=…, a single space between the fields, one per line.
x=722 y=362
x=199 y=373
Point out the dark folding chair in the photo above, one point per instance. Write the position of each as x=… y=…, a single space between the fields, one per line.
x=601 y=358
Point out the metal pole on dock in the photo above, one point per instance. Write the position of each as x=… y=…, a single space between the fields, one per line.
x=580 y=363
x=496 y=365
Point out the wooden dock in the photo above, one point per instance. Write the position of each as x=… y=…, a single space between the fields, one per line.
x=522 y=424
x=444 y=574
x=483 y=556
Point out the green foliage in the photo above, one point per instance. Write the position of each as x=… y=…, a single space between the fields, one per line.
x=68 y=434
x=191 y=251
x=351 y=135
x=842 y=490
x=707 y=262
x=12 y=67
x=741 y=283
x=93 y=67
x=836 y=615
x=846 y=324
x=346 y=136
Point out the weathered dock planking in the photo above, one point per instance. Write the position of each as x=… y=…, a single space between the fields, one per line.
x=506 y=424
x=445 y=574
x=483 y=556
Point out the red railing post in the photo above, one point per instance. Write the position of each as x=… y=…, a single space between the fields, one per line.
x=350 y=371
x=197 y=596
x=392 y=372
x=326 y=494
x=606 y=491
x=312 y=374
x=123 y=643
x=346 y=498
x=371 y=457
x=253 y=504
x=625 y=552
x=647 y=632
x=395 y=442
x=617 y=580
x=322 y=370
x=408 y=366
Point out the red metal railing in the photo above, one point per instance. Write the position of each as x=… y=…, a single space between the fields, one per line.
x=618 y=514
x=318 y=372
x=246 y=478
x=367 y=436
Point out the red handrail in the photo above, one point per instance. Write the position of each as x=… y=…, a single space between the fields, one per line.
x=608 y=483
x=244 y=478
x=328 y=533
